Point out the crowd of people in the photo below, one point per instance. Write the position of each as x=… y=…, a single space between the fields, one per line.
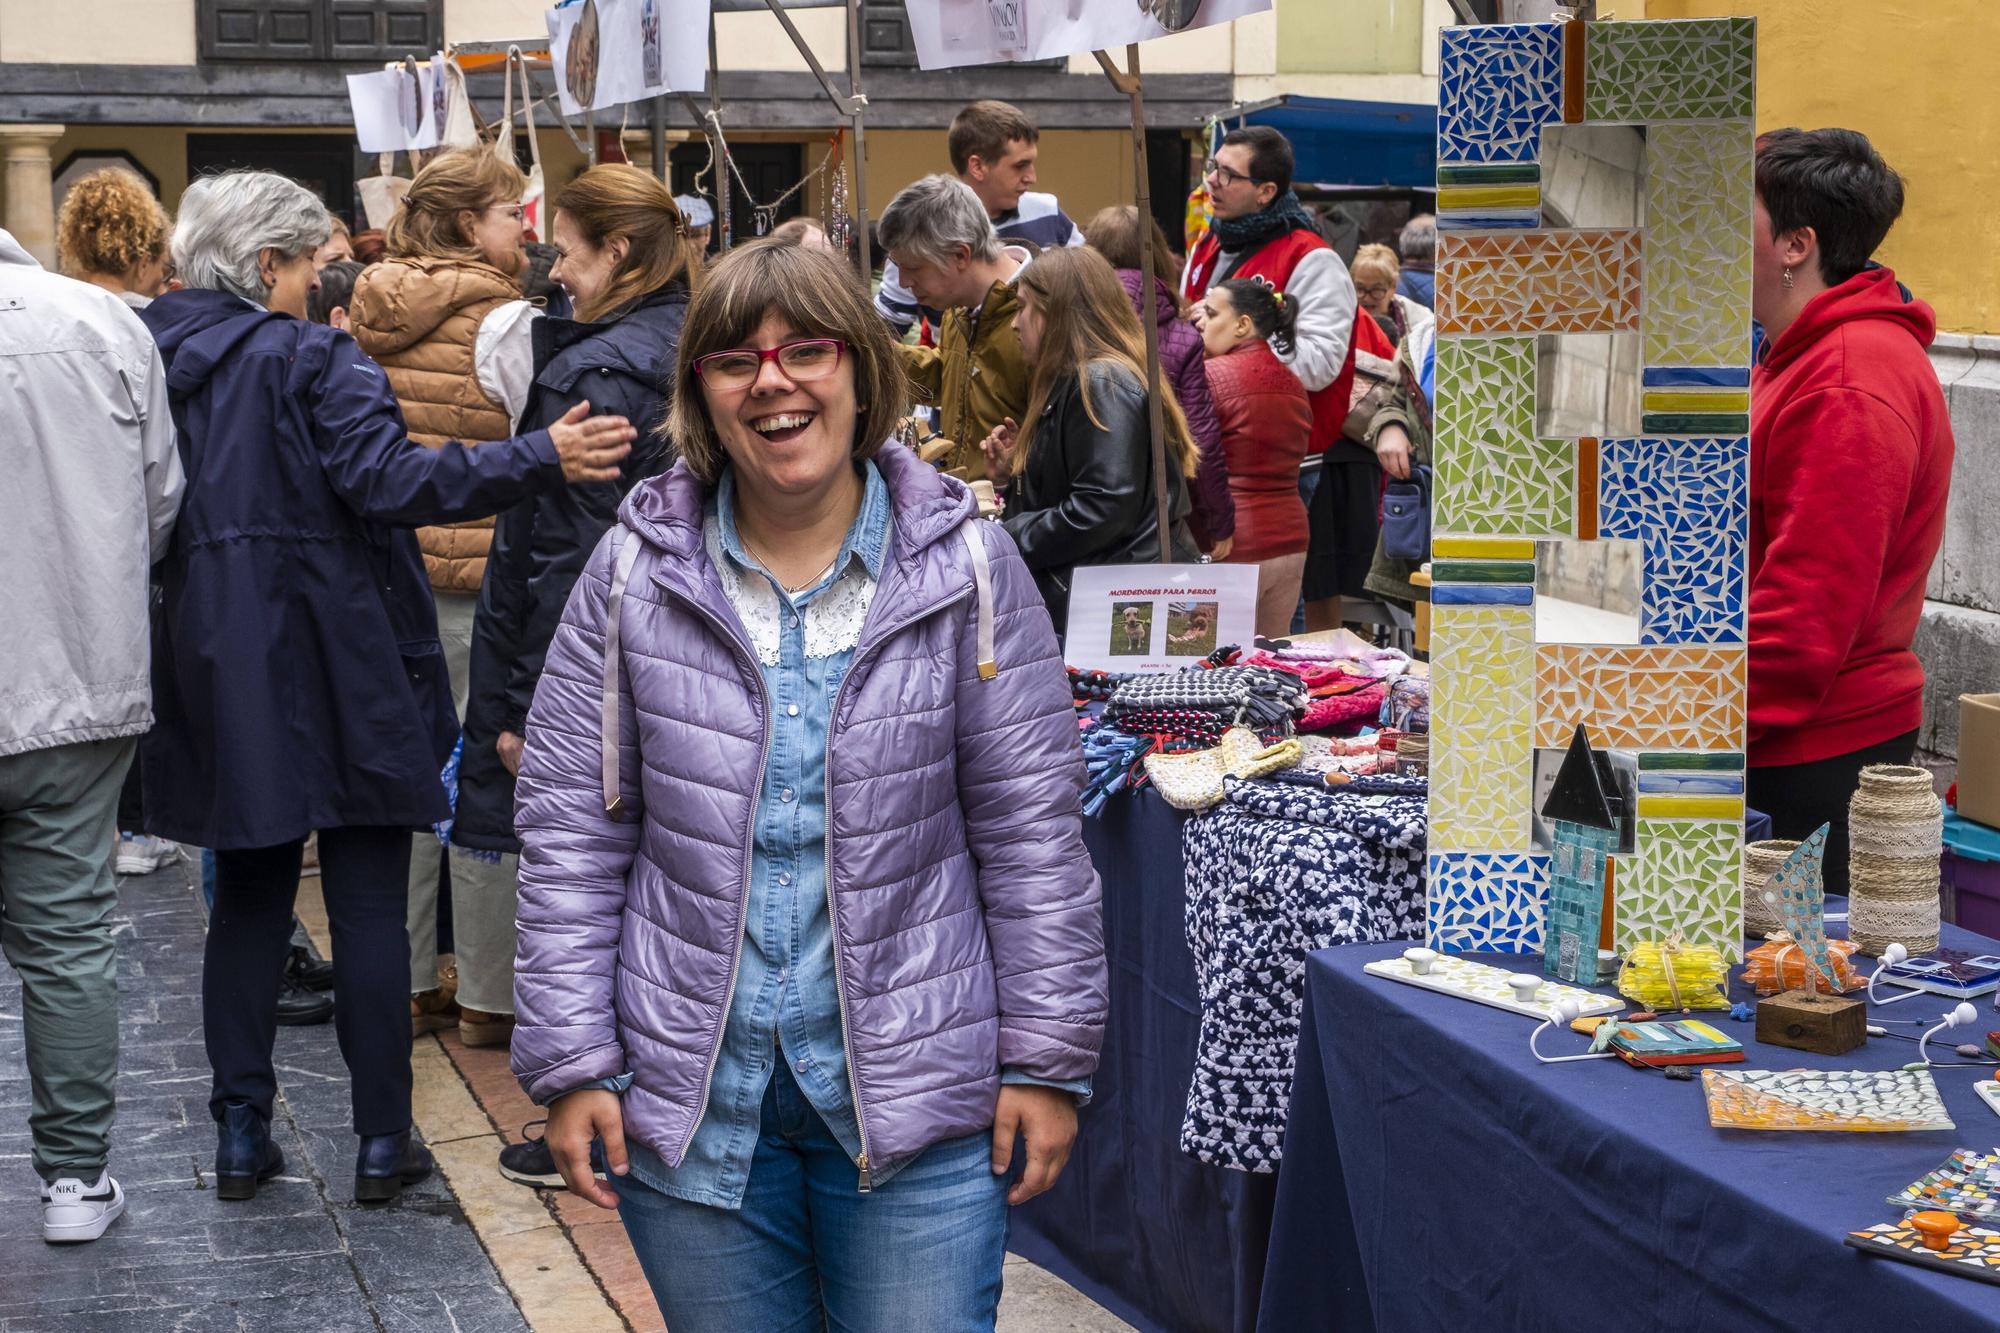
x=634 y=613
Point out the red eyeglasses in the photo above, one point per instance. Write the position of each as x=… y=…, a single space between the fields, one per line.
x=802 y=361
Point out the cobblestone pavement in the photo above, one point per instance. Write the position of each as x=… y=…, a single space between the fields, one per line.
x=300 y=1256
x=303 y=1257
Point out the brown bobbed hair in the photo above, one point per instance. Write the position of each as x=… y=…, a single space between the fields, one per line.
x=1086 y=319
x=819 y=297
x=618 y=199
x=983 y=130
x=110 y=223
x=1114 y=233
x=426 y=226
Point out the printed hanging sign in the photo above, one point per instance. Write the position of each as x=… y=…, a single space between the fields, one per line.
x=950 y=33
x=610 y=53
x=396 y=110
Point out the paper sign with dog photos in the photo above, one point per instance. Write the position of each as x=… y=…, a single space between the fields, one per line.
x=609 y=53
x=949 y=33
x=1158 y=617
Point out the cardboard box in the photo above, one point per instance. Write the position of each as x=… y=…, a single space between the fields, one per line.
x=1979 y=758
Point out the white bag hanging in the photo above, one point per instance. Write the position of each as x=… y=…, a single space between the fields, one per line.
x=461 y=126
x=503 y=139
x=382 y=195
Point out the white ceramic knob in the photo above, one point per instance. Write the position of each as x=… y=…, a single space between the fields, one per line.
x=1525 y=987
x=1420 y=960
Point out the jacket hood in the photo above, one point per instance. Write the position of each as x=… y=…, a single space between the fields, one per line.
x=1165 y=309
x=638 y=342
x=1872 y=293
x=929 y=506
x=12 y=253
x=196 y=330
x=400 y=302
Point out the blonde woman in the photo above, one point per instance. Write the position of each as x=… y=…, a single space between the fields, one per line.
x=1377 y=274
x=1079 y=466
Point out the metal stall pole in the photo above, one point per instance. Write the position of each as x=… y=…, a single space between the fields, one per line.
x=860 y=101
x=723 y=230
x=1128 y=82
x=657 y=136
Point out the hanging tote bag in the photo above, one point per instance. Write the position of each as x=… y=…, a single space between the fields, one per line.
x=503 y=139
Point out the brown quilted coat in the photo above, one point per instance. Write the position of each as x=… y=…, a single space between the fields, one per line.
x=419 y=319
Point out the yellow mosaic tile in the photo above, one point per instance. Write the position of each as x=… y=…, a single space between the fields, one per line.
x=1482 y=725
x=1700 y=187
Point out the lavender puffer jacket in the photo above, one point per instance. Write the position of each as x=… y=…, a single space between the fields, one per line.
x=965 y=911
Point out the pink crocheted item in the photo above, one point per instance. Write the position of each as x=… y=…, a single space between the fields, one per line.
x=1363 y=705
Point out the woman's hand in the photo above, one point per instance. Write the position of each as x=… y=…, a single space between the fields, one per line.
x=575 y=1119
x=1046 y=1117
x=508 y=746
x=998 y=446
x=1392 y=451
x=1220 y=551
x=590 y=447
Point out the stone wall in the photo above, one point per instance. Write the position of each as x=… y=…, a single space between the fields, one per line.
x=1959 y=639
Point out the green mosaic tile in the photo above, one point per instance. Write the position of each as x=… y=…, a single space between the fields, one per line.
x=1692 y=69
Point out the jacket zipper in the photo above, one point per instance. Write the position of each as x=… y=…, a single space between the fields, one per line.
x=745 y=658
x=863 y=1182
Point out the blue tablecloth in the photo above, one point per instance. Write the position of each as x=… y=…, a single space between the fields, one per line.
x=1436 y=1177
x=1160 y=1239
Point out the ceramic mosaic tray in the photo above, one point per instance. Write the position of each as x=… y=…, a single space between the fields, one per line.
x=1483 y=983
x=1974 y=1252
x=1852 y=1101
x=1968 y=1184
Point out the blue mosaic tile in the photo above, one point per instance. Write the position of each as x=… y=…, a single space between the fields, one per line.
x=1498 y=84
x=1687 y=504
x=1482 y=594
x=1690 y=377
x=1486 y=901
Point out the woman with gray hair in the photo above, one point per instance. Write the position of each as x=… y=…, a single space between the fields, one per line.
x=297 y=678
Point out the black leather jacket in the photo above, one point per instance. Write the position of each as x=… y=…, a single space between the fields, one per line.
x=1085 y=496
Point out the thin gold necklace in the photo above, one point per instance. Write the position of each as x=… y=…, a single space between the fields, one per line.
x=765 y=561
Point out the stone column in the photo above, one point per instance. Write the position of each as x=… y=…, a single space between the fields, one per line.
x=31 y=211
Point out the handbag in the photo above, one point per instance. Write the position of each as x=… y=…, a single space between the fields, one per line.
x=1406 y=516
x=503 y=139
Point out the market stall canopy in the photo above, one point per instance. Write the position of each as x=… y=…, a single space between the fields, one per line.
x=1337 y=142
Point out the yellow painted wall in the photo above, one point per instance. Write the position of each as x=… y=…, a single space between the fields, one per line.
x=1920 y=79
x=104 y=32
x=1351 y=37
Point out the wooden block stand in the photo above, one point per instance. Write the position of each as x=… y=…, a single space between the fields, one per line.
x=1809 y=1021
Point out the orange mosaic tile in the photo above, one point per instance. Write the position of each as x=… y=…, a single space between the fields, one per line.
x=1656 y=697
x=1538 y=281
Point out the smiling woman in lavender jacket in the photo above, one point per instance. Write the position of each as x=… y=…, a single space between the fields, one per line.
x=808 y=936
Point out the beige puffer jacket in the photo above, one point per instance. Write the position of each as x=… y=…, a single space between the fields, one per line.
x=419 y=319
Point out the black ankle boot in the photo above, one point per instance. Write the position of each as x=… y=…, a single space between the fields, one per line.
x=386 y=1163
x=244 y=1153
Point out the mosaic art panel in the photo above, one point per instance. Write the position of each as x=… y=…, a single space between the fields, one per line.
x=1833 y=1099
x=1687 y=504
x=1493 y=477
x=1686 y=877
x=1538 y=281
x=1498 y=84
x=1695 y=69
x=1699 y=191
x=1482 y=723
x=1486 y=901
x=1661 y=697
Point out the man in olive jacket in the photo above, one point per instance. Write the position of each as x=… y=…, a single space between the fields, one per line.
x=939 y=235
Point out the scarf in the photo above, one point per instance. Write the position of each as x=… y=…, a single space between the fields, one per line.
x=1283 y=215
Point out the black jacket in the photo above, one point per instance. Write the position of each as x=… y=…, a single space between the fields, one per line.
x=623 y=367
x=1086 y=494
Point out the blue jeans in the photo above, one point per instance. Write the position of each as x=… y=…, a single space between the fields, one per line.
x=807 y=1251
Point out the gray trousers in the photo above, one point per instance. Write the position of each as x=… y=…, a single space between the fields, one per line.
x=482 y=893
x=58 y=833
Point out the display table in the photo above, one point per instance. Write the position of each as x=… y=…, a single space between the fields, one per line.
x=1153 y=1235
x=1436 y=1177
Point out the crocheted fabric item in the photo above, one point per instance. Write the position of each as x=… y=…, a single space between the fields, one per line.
x=1111 y=758
x=1251 y=695
x=1273 y=873
x=1326 y=712
x=1194 y=781
x=1204 y=729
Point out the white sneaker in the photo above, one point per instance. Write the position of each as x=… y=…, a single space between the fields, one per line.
x=73 y=1211
x=142 y=855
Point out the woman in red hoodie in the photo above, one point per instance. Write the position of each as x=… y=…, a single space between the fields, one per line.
x=1267 y=422
x=1850 y=463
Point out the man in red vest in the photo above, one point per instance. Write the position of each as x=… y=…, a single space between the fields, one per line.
x=1260 y=230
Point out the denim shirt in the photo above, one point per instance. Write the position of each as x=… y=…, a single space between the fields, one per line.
x=786 y=1001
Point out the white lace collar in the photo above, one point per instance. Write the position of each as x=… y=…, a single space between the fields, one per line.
x=833 y=619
